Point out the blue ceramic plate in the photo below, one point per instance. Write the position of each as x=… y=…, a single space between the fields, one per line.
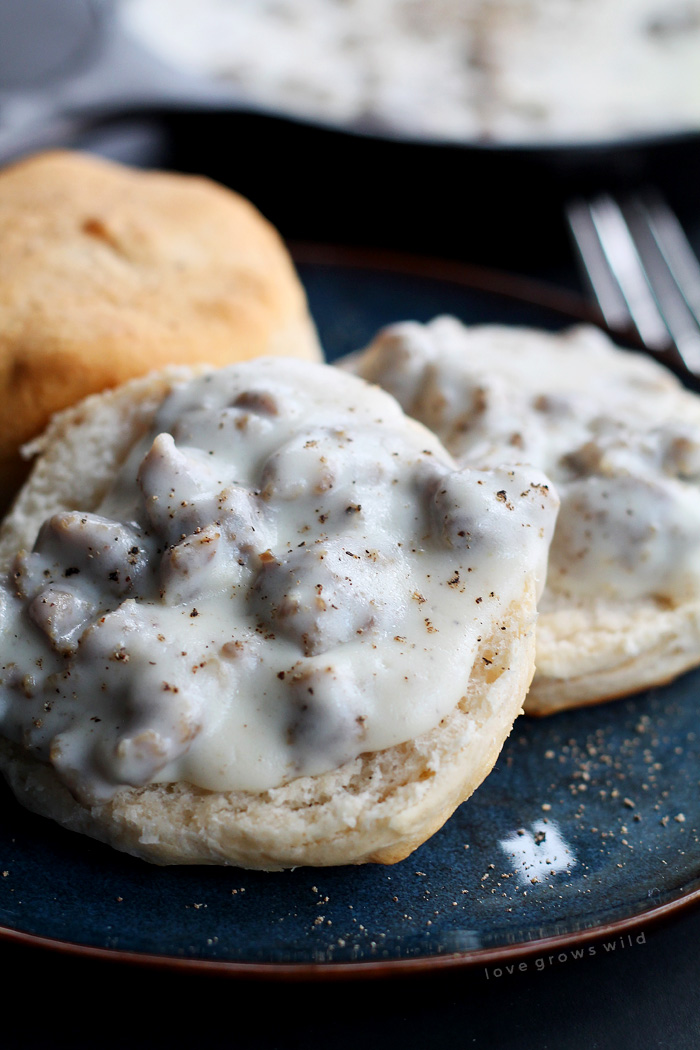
x=588 y=823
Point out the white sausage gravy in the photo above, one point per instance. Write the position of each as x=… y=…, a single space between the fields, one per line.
x=286 y=573
x=616 y=433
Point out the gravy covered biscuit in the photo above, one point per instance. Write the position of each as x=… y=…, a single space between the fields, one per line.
x=620 y=438
x=270 y=624
x=107 y=273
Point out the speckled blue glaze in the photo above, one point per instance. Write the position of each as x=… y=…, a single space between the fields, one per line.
x=589 y=816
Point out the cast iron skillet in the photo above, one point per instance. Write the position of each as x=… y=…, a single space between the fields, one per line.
x=68 y=69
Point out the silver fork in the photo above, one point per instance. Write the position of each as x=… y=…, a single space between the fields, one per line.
x=643 y=273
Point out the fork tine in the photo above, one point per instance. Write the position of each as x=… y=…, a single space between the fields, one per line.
x=675 y=248
x=643 y=271
x=596 y=268
x=623 y=257
x=650 y=231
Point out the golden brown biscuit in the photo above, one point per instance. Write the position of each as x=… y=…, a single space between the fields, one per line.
x=107 y=273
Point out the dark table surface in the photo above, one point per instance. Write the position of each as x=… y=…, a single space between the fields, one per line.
x=485 y=207
x=642 y=997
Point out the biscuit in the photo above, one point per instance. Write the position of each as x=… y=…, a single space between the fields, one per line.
x=107 y=273
x=267 y=623
x=620 y=438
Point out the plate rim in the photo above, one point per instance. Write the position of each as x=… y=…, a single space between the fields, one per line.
x=359 y=970
x=570 y=304
x=575 y=309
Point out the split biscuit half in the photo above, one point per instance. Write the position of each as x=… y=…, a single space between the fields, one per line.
x=311 y=631
x=620 y=438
